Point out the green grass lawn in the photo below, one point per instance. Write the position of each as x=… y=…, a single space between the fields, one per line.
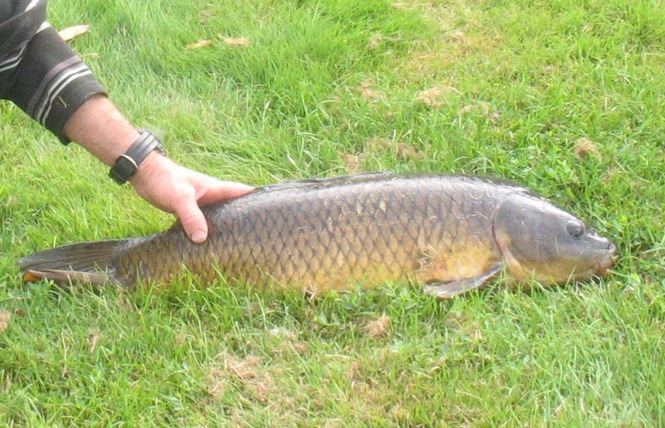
x=566 y=97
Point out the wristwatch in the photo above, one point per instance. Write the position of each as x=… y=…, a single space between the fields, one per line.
x=127 y=163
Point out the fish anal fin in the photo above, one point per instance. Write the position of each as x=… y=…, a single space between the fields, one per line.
x=66 y=277
x=459 y=286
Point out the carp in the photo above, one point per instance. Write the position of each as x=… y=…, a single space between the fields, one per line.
x=451 y=233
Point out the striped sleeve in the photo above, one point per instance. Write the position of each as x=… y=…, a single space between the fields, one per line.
x=38 y=70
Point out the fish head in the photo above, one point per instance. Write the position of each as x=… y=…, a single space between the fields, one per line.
x=541 y=241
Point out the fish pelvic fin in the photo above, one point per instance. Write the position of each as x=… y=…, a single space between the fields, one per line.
x=454 y=288
x=87 y=263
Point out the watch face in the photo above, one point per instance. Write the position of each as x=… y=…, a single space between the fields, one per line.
x=123 y=169
x=127 y=164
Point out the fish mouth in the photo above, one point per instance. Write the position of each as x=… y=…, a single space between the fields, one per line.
x=608 y=261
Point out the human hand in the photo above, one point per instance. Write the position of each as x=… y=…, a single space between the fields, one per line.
x=181 y=191
x=103 y=130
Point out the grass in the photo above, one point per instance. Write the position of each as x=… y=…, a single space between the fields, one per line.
x=507 y=89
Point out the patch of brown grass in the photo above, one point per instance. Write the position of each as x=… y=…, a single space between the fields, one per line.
x=584 y=148
x=369 y=93
x=249 y=372
x=378 y=328
x=400 y=150
x=436 y=96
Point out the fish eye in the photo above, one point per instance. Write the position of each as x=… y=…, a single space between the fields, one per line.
x=575 y=228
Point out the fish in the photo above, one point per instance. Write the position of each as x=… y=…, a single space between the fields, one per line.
x=448 y=233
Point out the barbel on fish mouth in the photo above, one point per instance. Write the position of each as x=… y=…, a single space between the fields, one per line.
x=452 y=233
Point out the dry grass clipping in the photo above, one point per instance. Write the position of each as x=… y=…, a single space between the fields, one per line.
x=5 y=318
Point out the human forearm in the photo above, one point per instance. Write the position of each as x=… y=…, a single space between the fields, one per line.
x=101 y=129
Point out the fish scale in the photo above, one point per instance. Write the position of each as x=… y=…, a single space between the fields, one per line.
x=455 y=232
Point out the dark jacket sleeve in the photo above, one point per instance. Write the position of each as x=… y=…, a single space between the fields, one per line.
x=38 y=70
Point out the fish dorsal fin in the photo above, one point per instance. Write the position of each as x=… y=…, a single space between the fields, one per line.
x=317 y=183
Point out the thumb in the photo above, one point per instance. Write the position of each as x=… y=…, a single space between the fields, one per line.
x=193 y=221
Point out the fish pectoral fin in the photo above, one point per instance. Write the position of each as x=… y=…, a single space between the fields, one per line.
x=66 y=277
x=454 y=288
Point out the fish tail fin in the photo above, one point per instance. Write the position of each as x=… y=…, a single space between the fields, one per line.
x=88 y=262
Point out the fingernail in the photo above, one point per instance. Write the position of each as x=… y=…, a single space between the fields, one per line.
x=198 y=236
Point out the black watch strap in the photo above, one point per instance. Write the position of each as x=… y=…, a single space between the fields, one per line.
x=127 y=163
